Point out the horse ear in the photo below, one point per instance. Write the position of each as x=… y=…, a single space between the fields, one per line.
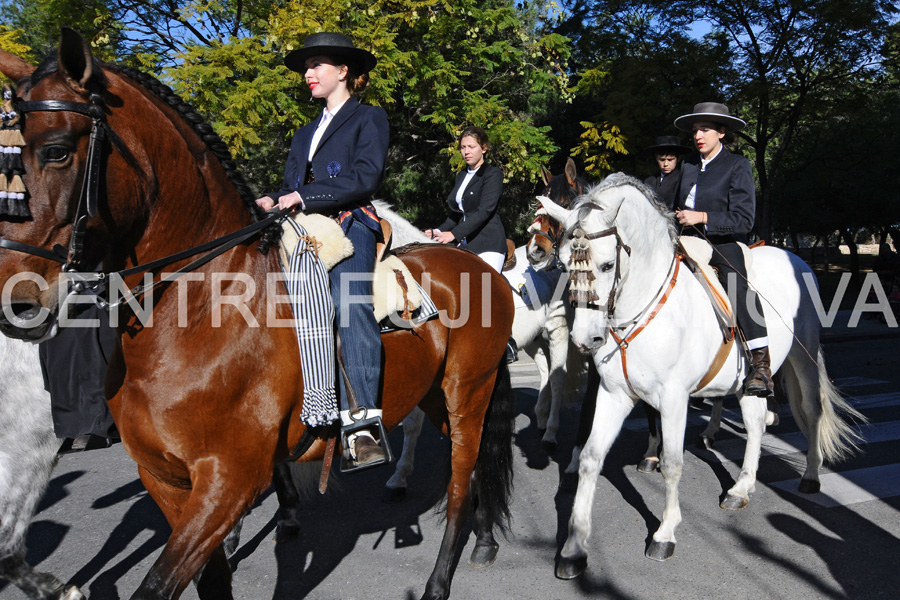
x=571 y=172
x=546 y=176
x=75 y=59
x=14 y=67
x=553 y=209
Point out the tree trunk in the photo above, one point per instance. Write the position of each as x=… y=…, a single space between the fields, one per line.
x=847 y=236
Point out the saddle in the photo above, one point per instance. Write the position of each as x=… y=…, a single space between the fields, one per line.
x=698 y=253
x=391 y=284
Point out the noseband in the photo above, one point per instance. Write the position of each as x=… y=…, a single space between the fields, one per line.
x=71 y=259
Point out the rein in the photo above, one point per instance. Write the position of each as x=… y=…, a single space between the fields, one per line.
x=87 y=207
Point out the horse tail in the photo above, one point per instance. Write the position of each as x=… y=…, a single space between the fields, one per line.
x=494 y=467
x=838 y=439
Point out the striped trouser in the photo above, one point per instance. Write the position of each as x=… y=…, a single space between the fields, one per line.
x=308 y=287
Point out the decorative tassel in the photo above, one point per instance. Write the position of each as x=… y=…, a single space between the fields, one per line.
x=16 y=185
x=12 y=188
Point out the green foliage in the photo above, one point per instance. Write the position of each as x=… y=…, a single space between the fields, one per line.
x=599 y=142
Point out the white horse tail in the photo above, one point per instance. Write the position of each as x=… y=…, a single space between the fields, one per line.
x=838 y=439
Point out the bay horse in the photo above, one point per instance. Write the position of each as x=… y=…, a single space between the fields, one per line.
x=539 y=328
x=28 y=458
x=205 y=385
x=623 y=244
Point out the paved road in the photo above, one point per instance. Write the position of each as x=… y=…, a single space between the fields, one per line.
x=99 y=529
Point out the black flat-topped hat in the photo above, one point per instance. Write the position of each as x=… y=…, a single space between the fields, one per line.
x=668 y=144
x=333 y=45
x=711 y=112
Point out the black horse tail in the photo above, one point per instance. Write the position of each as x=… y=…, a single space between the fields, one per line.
x=493 y=473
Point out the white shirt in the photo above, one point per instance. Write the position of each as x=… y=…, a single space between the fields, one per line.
x=323 y=125
x=692 y=195
x=462 y=187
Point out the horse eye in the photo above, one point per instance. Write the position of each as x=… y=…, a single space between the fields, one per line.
x=54 y=154
x=607 y=267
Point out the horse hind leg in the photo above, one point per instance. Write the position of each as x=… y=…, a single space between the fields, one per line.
x=708 y=437
x=494 y=461
x=412 y=428
x=753 y=411
x=650 y=461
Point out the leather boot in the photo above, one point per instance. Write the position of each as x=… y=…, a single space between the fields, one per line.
x=759 y=380
x=367 y=452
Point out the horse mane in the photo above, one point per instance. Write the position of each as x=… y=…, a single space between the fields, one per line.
x=198 y=124
x=622 y=180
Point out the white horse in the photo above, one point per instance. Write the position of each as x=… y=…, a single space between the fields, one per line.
x=626 y=242
x=540 y=329
x=28 y=454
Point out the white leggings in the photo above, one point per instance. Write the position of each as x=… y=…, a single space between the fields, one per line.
x=495 y=259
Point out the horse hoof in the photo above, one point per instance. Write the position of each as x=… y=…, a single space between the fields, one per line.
x=809 y=486
x=732 y=502
x=484 y=555
x=648 y=465
x=705 y=442
x=570 y=568
x=548 y=447
x=393 y=495
x=72 y=593
x=660 y=551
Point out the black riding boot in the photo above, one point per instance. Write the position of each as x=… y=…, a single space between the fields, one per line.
x=759 y=379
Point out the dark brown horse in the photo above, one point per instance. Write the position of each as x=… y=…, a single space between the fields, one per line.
x=207 y=394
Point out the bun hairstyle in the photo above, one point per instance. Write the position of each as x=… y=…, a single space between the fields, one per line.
x=356 y=82
x=479 y=134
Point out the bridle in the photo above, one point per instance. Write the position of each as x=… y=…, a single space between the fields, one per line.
x=72 y=258
x=88 y=200
x=581 y=276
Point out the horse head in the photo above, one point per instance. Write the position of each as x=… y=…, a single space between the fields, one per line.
x=101 y=159
x=542 y=248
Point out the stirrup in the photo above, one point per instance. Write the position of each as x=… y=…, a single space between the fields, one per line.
x=512 y=351
x=374 y=426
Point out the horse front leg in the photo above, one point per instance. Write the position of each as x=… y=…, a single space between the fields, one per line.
x=201 y=517
x=557 y=355
x=671 y=465
x=610 y=412
x=412 y=428
x=753 y=411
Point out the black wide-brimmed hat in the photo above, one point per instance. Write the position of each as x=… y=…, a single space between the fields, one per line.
x=333 y=45
x=711 y=112
x=668 y=144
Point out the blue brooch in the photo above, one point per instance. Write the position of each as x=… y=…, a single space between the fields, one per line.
x=334 y=169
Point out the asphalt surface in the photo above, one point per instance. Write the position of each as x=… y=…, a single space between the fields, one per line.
x=99 y=529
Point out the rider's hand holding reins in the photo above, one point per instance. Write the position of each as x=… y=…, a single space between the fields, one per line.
x=691 y=217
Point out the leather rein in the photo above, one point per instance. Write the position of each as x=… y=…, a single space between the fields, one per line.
x=72 y=258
